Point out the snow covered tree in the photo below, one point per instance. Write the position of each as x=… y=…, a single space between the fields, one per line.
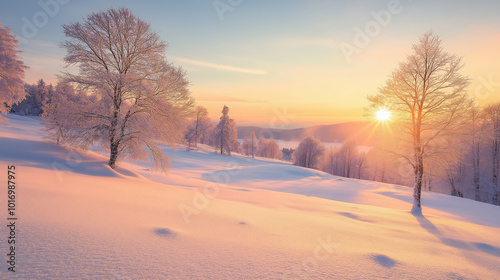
x=348 y=153
x=249 y=145
x=345 y=160
x=236 y=143
x=201 y=124
x=331 y=161
x=273 y=149
x=58 y=110
x=253 y=143
x=207 y=136
x=361 y=163
x=263 y=147
x=309 y=153
x=427 y=97
x=11 y=71
x=198 y=129
x=189 y=136
x=141 y=100
x=226 y=133
x=245 y=146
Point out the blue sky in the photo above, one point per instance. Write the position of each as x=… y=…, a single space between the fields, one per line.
x=270 y=59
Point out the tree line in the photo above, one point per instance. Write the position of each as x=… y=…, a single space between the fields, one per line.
x=224 y=136
x=346 y=160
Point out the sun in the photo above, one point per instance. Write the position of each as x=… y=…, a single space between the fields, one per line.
x=383 y=115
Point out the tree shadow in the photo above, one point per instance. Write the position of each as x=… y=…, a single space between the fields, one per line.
x=354 y=217
x=384 y=261
x=56 y=158
x=455 y=243
x=492 y=250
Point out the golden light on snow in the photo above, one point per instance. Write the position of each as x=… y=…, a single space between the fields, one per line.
x=383 y=115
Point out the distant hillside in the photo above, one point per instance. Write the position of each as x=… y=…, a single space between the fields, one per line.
x=359 y=131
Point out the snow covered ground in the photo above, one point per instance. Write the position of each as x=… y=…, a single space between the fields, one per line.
x=220 y=217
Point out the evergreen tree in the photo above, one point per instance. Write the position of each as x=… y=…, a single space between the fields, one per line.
x=226 y=133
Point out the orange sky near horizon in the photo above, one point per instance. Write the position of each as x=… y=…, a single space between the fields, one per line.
x=283 y=66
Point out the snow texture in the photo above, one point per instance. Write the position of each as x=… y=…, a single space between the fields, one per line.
x=243 y=219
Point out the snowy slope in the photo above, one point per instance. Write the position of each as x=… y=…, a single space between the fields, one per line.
x=219 y=217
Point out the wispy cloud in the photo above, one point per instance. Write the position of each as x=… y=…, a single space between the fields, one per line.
x=305 y=42
x=225 y=98
x=220 y=66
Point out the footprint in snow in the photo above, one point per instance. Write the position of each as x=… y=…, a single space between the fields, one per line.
x=164 y=232
x=384 y=260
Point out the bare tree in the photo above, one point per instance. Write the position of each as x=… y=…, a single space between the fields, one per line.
x=253 y=143
x=11 y=71
x=361 y=163
x=309 y=153
x=476 y=140
x=141 y=100
x=329 y=163
x=349 y=153
x=245 y=146
x=198 y=129
x=58 y=110
x=274 y=150
x=263 y=147
x=427 y=96
x=189 y=136
x=201 y=124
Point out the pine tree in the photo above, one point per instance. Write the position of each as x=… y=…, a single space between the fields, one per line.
x=226 y=133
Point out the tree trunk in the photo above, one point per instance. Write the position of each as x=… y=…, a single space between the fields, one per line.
x=196 y=132
x=417 y=190
x=113 y=149
x=113 y=155
x=253 y=148
x=476 y=171
x=496 y=162
x=59 y=136
x=222 y=139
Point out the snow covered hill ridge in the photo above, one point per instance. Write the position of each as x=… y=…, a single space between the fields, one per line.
x=221 y=217
x=334 y=133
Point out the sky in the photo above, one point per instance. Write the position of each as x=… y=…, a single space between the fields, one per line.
x=281 y=64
